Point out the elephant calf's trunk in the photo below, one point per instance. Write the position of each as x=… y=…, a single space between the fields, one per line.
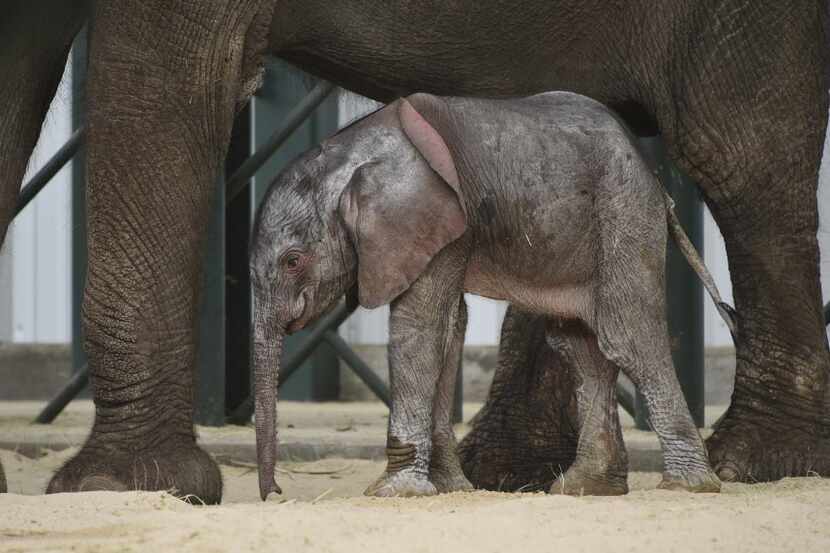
x=268 y=339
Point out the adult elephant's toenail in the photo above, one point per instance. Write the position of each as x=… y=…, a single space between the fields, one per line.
x=727 y=472
x=97 y=482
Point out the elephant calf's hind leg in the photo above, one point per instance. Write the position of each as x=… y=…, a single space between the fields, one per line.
x=601 y=464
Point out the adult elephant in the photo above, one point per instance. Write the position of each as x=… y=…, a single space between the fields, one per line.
x=736 y=88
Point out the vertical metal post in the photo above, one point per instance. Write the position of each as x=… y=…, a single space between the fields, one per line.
x=79 y=246
x=224 y=318
x=238 y=219
x=684 y=292
x=210 y=376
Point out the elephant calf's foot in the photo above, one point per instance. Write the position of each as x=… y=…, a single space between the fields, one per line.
x=184 y=470
x=752 y=450
x=577 y=481
x=703 y=481
x=448 y=481
x=403 y=483
x=445 y=467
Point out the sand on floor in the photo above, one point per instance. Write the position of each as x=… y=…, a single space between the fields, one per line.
x=322 y=510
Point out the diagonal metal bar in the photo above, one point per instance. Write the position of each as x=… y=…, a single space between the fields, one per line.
x=239 y=180
x=358 y=366
x=295 y=359
x=50 y=169
x=77 y=383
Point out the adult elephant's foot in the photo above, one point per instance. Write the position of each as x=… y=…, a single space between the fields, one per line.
x=577 y=481
x=183 y=469
x=403 y=483
x=778 y=423
x=527 y=432
x=751 y=449
x=505 y=451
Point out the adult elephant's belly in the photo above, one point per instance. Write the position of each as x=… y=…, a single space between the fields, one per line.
x=458 y=48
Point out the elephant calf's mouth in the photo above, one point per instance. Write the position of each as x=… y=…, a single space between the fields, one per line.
x=302 y=320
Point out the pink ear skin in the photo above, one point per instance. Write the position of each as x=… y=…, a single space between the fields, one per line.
x=430 y=144
x=397 y=225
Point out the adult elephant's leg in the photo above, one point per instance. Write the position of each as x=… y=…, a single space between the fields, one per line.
x=526 y=434
x=36 y=40
x=163 y=83
x=755 y=149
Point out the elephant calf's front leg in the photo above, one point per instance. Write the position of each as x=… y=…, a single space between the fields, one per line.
x=421 y=331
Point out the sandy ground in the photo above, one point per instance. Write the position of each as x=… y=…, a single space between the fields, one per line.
x=322 y=510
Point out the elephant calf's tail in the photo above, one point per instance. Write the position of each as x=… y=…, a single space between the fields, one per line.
x=726 y=311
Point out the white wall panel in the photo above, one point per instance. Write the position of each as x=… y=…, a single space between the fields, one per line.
x=714 y=255
x=37 y=252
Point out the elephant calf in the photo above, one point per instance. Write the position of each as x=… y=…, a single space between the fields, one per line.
x=543 y=202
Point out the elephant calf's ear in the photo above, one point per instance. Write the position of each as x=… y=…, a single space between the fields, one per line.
x=397 y=226
x=428 y=142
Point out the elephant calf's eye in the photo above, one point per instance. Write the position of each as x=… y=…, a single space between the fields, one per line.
x=293 y=262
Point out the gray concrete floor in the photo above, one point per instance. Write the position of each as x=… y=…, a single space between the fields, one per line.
x=308 y=432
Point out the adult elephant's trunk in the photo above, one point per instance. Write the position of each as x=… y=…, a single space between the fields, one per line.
x=268 y=338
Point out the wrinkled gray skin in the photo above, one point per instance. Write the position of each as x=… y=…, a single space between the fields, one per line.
x=744 y=119
x=543 y=202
